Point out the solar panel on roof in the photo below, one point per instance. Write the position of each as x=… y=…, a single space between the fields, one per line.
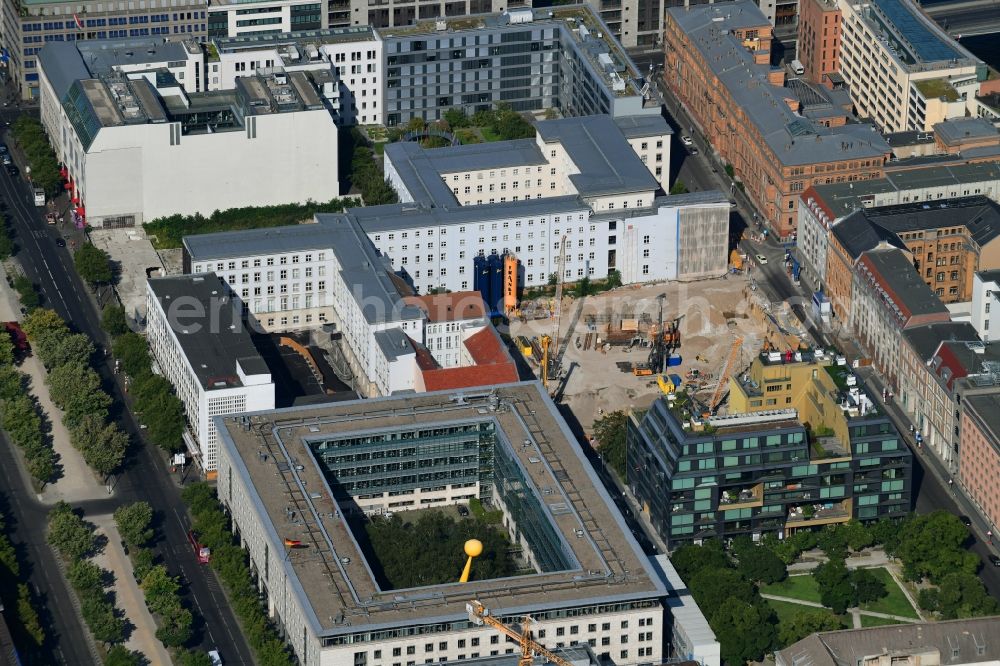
x=927 y=45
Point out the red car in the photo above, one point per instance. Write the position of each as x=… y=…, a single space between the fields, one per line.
x=204 y=553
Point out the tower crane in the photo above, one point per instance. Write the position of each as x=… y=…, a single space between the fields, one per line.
x=480 y=615
x=561 y=268
x=720 y=389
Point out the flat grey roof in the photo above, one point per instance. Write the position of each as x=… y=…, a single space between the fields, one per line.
x=479 y=156
x=62 y=64
x=209 y=328
x=956 y=130
x=303 y=37
x=393 y=343
x=907 y=288
x=342 y=594
x=987 y=408
x=794 y=139
x=363 y=269
x=606 y=161
x=374 y=219
x=635 y=127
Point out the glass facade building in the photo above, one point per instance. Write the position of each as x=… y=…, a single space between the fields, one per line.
x=766 y=473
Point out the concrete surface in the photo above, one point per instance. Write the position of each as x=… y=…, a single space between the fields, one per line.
x=128 y=596
x=133 y=255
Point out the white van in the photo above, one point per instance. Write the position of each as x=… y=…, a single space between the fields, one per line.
x=798 y=68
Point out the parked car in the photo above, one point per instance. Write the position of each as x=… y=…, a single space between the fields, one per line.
x=215 y=657
x=694 y=151
x=994 y=560
x=3 y=149
x=60 y=242
x=966 y=521
x=686 y=140
x=6 y=159
x=761 y=259
x=12 y=170
x=463 y=510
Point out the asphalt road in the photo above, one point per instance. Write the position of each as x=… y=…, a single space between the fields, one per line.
x=146 y=476
x=969 y=20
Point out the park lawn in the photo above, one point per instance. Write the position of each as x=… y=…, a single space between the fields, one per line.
x=893 y=603
x=872 y=621
x=802 y=587
x=785 y=610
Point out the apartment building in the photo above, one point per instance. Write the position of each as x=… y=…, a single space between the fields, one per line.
x=133 y=137
x=564 y=58
x=200 y=343
x=905 y=72
x=979 y=463
x=590 y=582
x=718 y=64
x=450 y=319
x=848 y=240
x=818 y=46
x=888 y=297
x=760 y=469
x=28 y=25
x=232 y=18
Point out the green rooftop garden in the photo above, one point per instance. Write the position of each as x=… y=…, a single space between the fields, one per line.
x=937 y=88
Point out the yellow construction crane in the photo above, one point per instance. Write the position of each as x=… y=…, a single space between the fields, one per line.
x=480 y=615
x=720 y=389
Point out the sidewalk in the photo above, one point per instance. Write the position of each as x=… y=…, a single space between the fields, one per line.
x=853 y=611
x=128 y=596
x=77 y=482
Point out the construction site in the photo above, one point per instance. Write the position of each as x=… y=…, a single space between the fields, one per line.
x=626 y=347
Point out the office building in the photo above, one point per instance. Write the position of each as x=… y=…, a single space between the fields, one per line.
x=818 y=46
x=957 y=642
x=138 y=145
x=904 y=72
x=591 y=583
x=232 y=18
x=28 y=25
x=985 y=311
x=802 y=446
x=350 y=59
x=201 y=345
x=718 y=64
x=888 y=297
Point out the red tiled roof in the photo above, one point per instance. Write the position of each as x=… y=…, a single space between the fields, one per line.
x=455 y=306
x=493 y=365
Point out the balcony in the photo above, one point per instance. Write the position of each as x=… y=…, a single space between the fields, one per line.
x=742 y=499
x=812 y=515
x=826 y=448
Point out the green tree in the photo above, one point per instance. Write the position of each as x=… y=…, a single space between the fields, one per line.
x=6 y=243
x=711 y=587
x=41 y=322
x=103 y=444
x=689 y=559
x=679 y=188
x=456 y=118
x=28 y=616
x=931 y=545
x=68 y=534
x=142 y=562
x=609 y=431
x=744 y=630
x=164 y=418
x=56 y=350
x=133 y=521
x=867 y=585
x=93 y=264
x=761 y=565
x=837 y=590
x=133 y=352
x=929 y=599
x=584 y=287
x=962 y=595
x=100 y=616
x=161 y=590
x=176 y=628
x=42 y=465
x=857 y=535
x=119 y=655
x=832 y=540
x=614 y=279
x=804 y=623
x=76 y=389
x=113 y=320
x=193 y=658
x=86 y=577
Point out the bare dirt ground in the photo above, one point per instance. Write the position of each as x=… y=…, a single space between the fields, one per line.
x=711 y=315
